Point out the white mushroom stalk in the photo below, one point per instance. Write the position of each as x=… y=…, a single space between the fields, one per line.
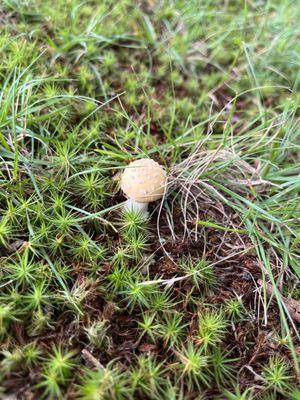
x=142 y=182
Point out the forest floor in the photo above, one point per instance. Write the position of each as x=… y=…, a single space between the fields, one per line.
x=201 y=300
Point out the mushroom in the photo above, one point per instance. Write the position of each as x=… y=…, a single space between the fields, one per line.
x=143 y=181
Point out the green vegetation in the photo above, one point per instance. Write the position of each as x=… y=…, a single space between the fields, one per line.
x=97 y=303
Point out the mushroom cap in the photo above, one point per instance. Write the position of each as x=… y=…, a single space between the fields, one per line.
x=144 y=180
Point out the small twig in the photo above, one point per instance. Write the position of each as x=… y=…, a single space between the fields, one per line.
x=91 y=359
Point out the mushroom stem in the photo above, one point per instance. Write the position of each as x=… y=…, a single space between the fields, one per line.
x=131 y=205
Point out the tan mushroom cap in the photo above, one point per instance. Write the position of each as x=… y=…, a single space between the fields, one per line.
x=144 y=180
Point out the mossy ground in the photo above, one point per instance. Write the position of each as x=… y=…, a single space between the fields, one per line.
x=98 y=304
